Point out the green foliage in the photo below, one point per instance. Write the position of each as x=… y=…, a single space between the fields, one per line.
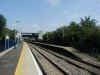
x=2 y=26
x=84 y=35
x=10 y=33
x=4 y=30
x=88 y=22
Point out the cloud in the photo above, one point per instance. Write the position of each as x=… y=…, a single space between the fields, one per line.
x=54 y=2
x=36 y=27
x=66 y=12
x=51 y=27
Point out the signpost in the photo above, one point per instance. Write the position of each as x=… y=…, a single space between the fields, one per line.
x=7 y=43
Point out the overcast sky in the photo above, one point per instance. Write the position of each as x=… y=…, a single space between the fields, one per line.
x=47 y=15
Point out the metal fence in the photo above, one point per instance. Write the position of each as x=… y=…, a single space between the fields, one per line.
x=8 y=44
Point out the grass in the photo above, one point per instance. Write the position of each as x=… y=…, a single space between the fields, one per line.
x=96 y=55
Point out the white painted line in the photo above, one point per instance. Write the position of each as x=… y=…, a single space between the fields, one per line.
x=34 y=60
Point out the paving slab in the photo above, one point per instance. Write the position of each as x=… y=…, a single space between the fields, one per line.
x=9 y=59
x=27 y=64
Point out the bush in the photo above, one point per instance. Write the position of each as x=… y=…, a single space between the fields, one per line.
x=84 y=35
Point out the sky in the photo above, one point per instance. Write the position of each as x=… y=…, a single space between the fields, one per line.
x=47 y=15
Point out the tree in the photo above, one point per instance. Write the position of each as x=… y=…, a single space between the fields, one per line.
x=2 y=26
x=10 y=32
x=84 y=35
x=88 y=22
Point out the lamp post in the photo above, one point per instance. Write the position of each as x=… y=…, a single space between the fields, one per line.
x=15 y=31
x=63 y=32
x=47 y=36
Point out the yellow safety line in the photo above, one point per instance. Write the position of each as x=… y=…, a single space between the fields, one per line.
x=19 y=61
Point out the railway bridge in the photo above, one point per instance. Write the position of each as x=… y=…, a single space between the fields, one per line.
x=30 y=36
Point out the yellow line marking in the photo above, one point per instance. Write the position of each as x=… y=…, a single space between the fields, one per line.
x=19 y=61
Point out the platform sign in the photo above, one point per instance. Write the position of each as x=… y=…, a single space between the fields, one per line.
x=7 y=37
x=7 y=41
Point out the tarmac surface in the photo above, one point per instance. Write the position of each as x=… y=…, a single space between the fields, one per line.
x=9 y=59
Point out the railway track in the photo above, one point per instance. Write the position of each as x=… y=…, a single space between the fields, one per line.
x=74 y=54
x=47 y=67
x=60 y=64
x=93 y=70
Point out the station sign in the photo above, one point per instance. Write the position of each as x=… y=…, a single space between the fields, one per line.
x=7 y=37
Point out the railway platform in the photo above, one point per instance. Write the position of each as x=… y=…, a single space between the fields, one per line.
x=18 y=61
x=9 y=59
